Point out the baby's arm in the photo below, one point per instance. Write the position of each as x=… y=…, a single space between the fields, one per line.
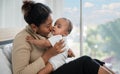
x=47 y=70
x=42 y=43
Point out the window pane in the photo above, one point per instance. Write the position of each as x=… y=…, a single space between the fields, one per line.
x=72 y=12
x=101 y=20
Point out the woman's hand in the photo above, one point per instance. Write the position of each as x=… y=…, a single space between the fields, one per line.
x=59 y=45
x=47 y=69
x=52 y=51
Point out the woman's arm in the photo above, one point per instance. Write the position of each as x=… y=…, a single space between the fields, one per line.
x=21 y=58
x=47 y=70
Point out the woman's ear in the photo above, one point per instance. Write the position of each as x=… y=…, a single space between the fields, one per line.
x=34 y=28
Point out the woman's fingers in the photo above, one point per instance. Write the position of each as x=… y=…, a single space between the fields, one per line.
x=59 y=45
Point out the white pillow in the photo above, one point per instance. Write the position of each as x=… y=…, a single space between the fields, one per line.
x=7 y=51
x=5 y=65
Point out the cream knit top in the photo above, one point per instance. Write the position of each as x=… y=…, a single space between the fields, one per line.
x=26 y=58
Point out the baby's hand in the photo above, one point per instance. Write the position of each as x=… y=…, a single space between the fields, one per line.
x=41 y=43
x=30 y=39
x=70 y=53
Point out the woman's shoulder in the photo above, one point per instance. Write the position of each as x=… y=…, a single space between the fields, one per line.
x=21 y=37
x=20 y=40
x=21 y=34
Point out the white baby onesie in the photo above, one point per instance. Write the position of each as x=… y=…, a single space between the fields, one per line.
x=59 y=59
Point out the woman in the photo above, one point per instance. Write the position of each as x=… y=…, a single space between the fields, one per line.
x=30 y=59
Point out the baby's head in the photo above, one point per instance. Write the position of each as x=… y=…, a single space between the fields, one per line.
x=62 y=26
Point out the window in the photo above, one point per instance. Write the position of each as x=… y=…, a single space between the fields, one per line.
x=72 y=11
x=101 y=21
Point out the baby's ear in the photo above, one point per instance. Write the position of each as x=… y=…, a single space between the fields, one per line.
x=66 y=33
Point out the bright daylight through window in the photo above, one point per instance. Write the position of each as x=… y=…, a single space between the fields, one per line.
x=101 y=21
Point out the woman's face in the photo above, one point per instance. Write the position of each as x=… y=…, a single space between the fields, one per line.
x=45 y=28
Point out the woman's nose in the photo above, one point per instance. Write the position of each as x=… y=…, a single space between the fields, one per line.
x=51 y=28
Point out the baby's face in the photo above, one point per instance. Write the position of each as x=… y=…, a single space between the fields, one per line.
x=60 y=27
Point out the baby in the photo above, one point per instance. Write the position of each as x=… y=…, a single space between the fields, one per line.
x=61 y=30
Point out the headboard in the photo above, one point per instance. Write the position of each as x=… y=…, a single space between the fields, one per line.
x=6 y=42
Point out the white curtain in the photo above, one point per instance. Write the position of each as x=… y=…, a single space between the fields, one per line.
x=11 y=15
x=55 y=5
x=11 y=18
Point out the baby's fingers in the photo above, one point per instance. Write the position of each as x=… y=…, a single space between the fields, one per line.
x=29 y=38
